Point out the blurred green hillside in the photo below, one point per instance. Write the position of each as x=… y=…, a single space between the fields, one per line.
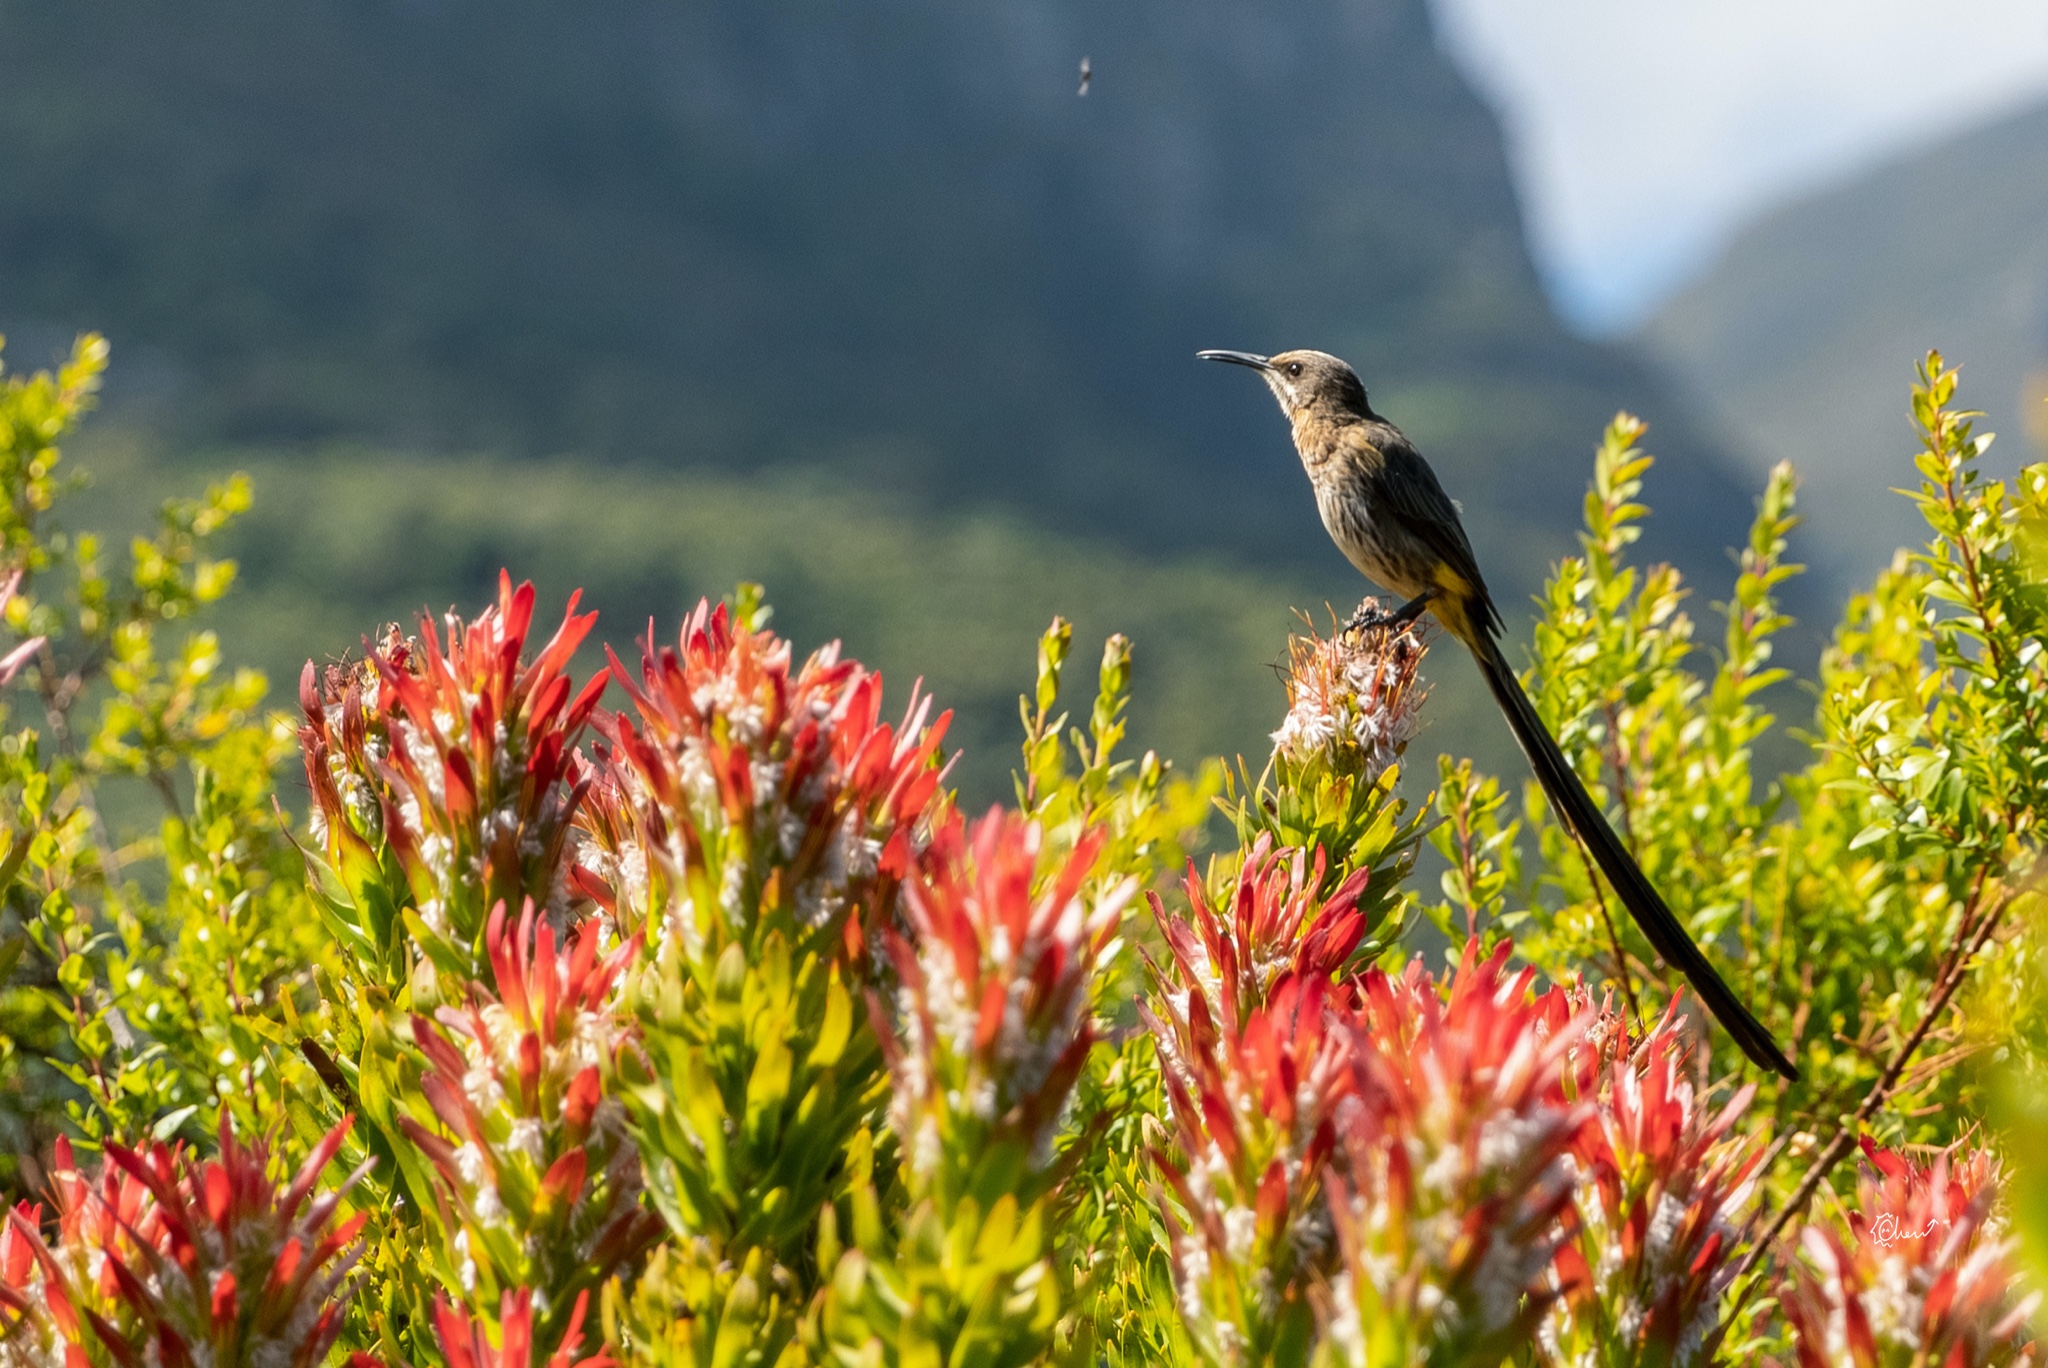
x=341 y=539
x=860 y=300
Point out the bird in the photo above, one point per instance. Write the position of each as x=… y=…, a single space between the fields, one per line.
x=1087 y=75
x=1383 y=506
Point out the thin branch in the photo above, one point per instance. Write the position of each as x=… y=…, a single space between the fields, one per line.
x=1624 y=782
x=167 y=789
x=1963 y=928
x=1845 y=1136
x=1628 y=991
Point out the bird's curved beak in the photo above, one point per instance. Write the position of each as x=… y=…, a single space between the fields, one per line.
x=1237 y=358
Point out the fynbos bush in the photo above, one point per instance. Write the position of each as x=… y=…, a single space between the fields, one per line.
x=709 y=1030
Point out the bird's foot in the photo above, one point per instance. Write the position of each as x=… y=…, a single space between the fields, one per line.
x=1371 y=618
x=1367 y=617
x=1404 y=617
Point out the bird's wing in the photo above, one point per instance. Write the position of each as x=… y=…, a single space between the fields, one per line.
x=1408 y=492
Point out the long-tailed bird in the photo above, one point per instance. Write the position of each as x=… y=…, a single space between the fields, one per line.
x=1382 y=505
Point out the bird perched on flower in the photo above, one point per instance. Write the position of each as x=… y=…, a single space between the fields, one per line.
x=1383 y=506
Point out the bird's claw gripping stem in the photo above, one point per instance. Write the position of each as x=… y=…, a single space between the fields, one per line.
x=1398 y=620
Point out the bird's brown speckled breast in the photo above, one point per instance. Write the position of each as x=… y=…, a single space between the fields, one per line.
x=1342 y=477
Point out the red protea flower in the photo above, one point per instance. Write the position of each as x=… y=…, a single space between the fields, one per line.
x=1662 y=1185
x=1456 y=1166
x=445 y=782
x=740 y=768
x=991 y=1029
x=1252 y=1104
x=753 y=820
x=992 y=1021
x=1925 y=1275
x=1275 y=924
x=97 y=1214
x=538 y=1183
x=466 y=1343
x=164 y=1259
x=58 y=1300
x=1255 y=1069
x=29 y=1331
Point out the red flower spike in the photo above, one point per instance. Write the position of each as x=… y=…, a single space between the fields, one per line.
x=179 y=1244
x=35 y=1317
x=1250 y=1029
x=1274 y=926
x=1663 y=1187
x=1253 y=1100
x=994 y=1000
x=515 y=1080
x=1921 y=1271
x=1457 y=1165
x=447 y=761
x=467 y=1344
x=791 y=763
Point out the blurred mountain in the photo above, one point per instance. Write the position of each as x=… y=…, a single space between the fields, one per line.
x=1801 y=342
x=882 y=249
x=884 y=237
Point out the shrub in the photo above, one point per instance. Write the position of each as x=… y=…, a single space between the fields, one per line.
x=710 y=1031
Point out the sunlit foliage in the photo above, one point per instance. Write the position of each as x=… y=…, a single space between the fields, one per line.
x=709 y=1030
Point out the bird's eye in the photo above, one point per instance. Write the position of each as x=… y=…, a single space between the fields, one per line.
x=1294 y=369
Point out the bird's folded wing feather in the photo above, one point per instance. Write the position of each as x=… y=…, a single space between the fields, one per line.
x=1408 y=492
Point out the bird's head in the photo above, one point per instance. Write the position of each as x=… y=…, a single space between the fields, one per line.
x=1304 y=381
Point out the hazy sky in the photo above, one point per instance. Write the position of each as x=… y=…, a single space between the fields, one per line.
x=1645 y=131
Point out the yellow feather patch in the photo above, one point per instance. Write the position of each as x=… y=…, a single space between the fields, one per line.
x=1453 y=605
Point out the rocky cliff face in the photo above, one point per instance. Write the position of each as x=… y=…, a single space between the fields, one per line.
x=885 y=238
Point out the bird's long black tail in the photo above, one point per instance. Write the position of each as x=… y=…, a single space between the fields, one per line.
x=1569 y=797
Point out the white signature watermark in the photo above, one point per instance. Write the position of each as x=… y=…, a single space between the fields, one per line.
x=1884 y=1232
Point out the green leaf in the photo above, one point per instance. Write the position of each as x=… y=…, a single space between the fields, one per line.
x=170 y=1123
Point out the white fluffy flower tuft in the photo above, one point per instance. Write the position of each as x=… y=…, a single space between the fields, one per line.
x=1354 y=701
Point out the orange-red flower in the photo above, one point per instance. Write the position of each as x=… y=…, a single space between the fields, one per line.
x=1253 y=1105
x=456 y=766
x=1456 y=1165
x=1663 y=1183
x=992 y=1020
x=740 y=770
x=466 y=1343
x=1925 y=1273
x=1274 y=925
x=538 y=1183
x=163 y=1259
